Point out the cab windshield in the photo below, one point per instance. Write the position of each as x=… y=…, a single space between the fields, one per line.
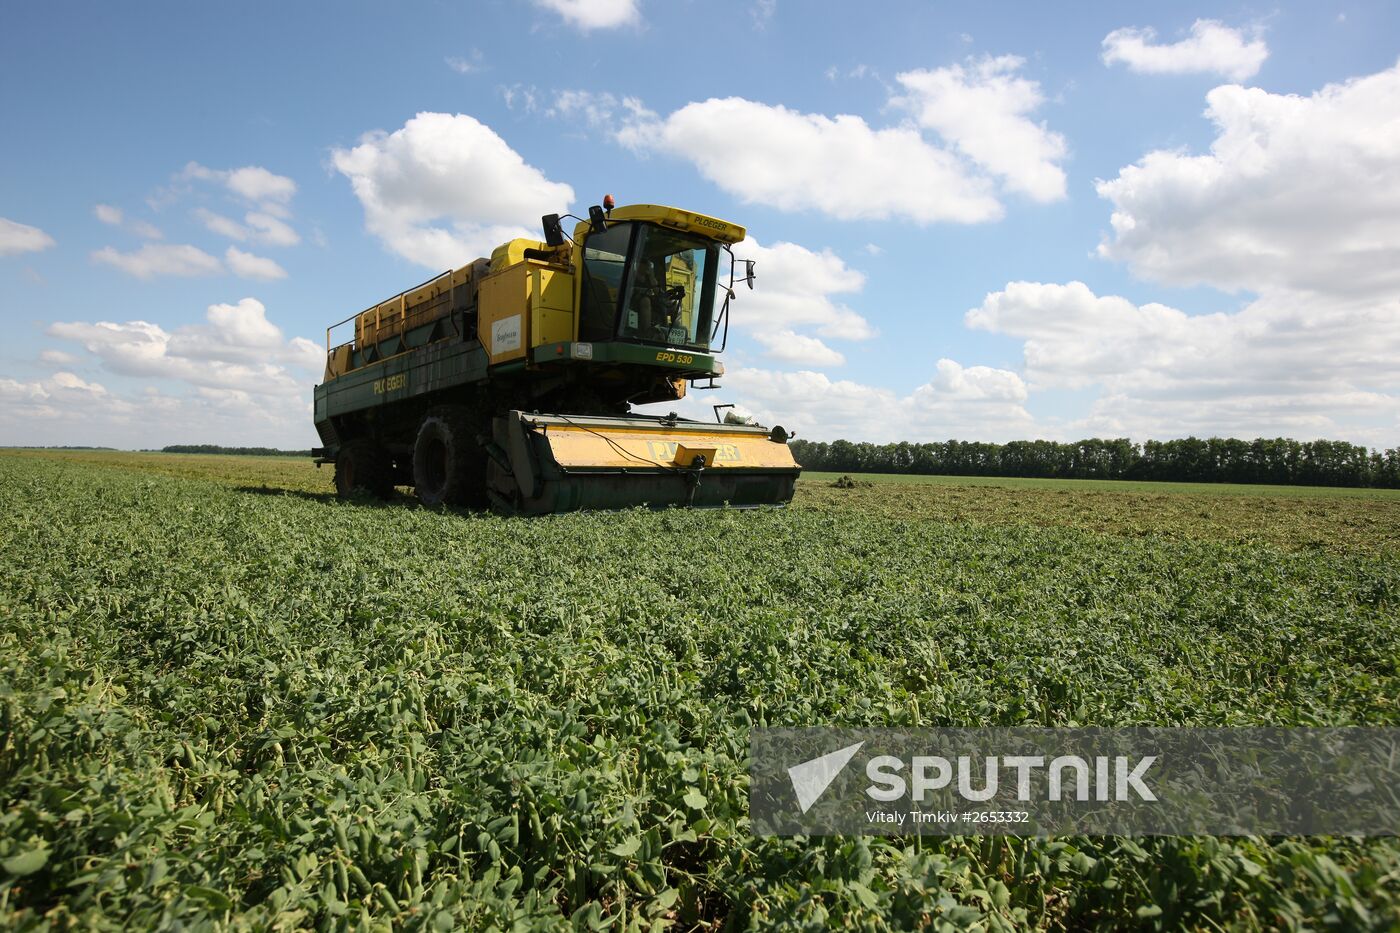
x=666 y=281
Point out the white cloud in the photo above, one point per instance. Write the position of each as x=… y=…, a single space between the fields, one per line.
x=154 y=260
x=234 y=379
x=114 y=217
x=520 y=95
x=844 y=167
x=595 y=14
x=64 y=409
x=1212 y=48
x=258 y=226
x=251 y=182
x=13 y=391
x=258 y=184
x=269 y=229
x=791 y=347
x=237 y=349
x=133 y=348
x=62 y=380
x=856 y=72
x=223 y=226
x=1297 y=202
x=795 y=287
x=469 y=64
x=305 y=354
x=953 y=382
x=268 y=194
x=241 y=326
x=248 y=266
x=444 y=189
x=982 y=110
x=968 y=403
x=802 y=161
x=1286 y=363
x=1298 y=193
x=599 y=109
x=144 y=229
x=18 y=238
x=60 y=395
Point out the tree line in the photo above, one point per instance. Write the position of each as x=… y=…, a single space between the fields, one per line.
x=1192 y=459
x=232 y=451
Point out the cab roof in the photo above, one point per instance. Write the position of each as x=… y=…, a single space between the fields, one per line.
x=675 y=217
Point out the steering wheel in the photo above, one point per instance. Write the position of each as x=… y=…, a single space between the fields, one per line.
x=674 y=295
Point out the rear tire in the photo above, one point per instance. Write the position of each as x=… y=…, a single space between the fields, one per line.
x=449 y=466
x=363 y=467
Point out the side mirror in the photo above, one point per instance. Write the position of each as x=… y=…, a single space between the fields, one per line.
x=748 y=274
x=597 y=220
x=553 y=230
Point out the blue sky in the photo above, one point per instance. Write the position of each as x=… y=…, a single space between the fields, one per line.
x=189 y=196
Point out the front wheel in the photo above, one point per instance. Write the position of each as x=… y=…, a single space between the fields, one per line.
x=362 y=466
x=449 y=466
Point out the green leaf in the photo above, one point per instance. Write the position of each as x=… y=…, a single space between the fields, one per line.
x=628 y=848
x=694 y=799
x=217 y=900
x=867 y=897
x=26 y=863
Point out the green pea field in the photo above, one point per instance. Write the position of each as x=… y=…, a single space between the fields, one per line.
x=229 y=700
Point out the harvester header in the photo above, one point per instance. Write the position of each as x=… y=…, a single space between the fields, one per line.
x=509 y=381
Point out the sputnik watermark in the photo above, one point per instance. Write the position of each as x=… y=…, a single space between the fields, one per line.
x=1111 y=779
x=811 y=778
x=1052 y=781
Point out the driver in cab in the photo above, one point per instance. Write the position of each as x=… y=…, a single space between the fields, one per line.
x=654 y=306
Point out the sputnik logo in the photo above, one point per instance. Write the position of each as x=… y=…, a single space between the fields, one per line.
x=811 y=778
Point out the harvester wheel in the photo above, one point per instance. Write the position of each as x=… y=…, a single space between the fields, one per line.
x=449 y=466
x=363 y=466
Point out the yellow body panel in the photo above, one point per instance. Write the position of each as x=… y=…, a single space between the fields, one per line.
x=524 y=306
x=503 y=315
x=418 y=306
x=338 y=362
x=552 y=318
x=513 y=251
x=631 y=448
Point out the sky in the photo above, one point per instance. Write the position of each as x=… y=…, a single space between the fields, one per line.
x=979 y=221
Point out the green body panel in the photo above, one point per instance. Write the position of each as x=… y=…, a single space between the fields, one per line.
x=626 y=489
x=682 y=361
x=437 y=366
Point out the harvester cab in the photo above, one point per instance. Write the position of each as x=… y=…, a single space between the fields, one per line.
x=510 y=381
x=651 y=277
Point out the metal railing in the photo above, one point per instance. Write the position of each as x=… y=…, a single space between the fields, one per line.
x=378 y=308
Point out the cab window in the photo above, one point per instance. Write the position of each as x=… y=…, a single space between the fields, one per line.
x=670 y=289
x=604 y=261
